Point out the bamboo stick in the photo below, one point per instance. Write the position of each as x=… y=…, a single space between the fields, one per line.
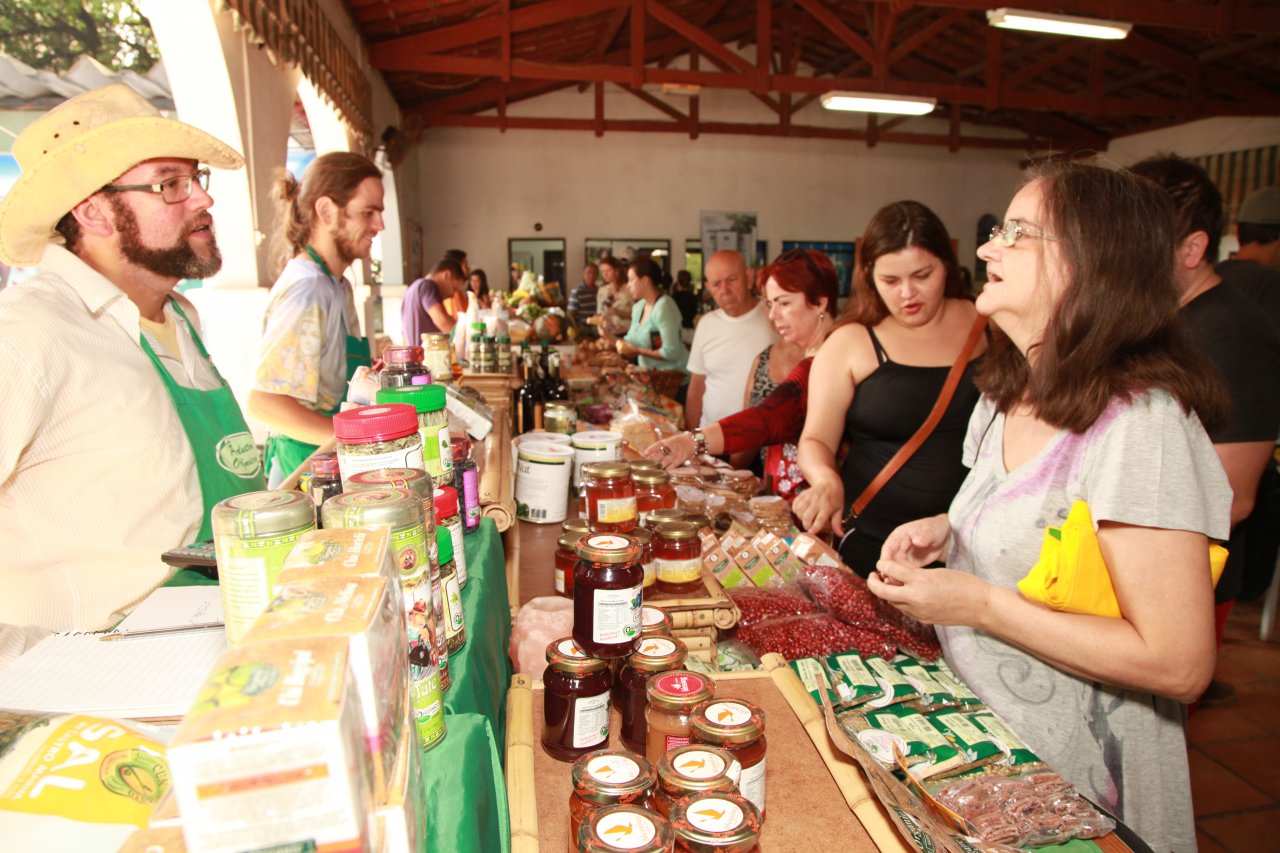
x=511 y=544
x=522 y=799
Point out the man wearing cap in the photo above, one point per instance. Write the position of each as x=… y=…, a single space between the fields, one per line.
x=1255 y=268
x=119 y=433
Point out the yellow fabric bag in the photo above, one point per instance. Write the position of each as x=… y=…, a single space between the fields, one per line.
x=1071 y=575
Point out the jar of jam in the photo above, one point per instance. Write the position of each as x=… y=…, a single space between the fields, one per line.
x=677 y=550
x=672 y=696
x=688 y=770
x=653 y=489
x=607 y=594
x=566 y=560
x=611 y=496
x=651 y=656
x=575 y=703
x=715 y=823
x=624 y=829
x=644 y=538
x=607 y=777
x=654 y=621
x=654 y=517
x=737 y=726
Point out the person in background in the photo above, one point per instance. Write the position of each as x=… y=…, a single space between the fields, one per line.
x=1091 y=392
x=582 y=303
x=800 y=288
x=614 y=300
x=119 y=433
x=478 y=284
x=725 y=342
x=423 y=310
x=654 y=337
x=457 y=303
x=686 y=299
x=311 y=341
x=1242 y=345
x=1255 y=269
x=877 y=378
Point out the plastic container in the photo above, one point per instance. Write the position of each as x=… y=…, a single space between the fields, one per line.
x=650 y=656
x=611 y=496
x=428 y=402
x=689 y=770
x=542 y=481
x=455 y=629
x=737 y=726
x=445 y=500
x=715 y=823
x=597 y=445
x=672 y=698
x=607 y=777
x=607 y=595
x=677 y=552
x=624 y=829
x=575 y=701
x=373 y=437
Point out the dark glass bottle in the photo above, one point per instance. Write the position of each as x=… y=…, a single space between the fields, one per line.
x=325 y=480
x=530 y=398
x=556 y=387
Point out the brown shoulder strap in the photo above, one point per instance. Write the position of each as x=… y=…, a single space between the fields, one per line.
x=940 y=405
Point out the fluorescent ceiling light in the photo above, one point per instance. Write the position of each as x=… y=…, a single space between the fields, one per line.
x=867 y=102
x=1063 y=25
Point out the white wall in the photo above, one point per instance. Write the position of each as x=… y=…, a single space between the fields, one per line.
x=1198 y=138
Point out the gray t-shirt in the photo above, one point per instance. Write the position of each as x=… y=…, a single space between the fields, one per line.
x=1144 y=463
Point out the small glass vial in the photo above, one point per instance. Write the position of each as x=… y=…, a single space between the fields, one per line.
x=653 y=490
x=644 y=538
x=427 y=695
x=715 y=823
x=326 y=482
x=624 y=829
x=607 y=777
x=575 y=703
x=677 y=550
x=737 y=726
x=651 y=656
x=654 y=517
x=611 y=497
x=566 y=561
x=689 y=770
x=672 y=697
x=401 y=364
x=607 y=594
x=455 y=630
x=655 y=622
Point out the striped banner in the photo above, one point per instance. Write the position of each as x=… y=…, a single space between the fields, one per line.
x=1238 y=173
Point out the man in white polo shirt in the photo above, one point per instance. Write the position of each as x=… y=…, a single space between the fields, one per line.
x=725 y=342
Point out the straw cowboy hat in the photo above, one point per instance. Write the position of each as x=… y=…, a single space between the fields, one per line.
x=79 y=147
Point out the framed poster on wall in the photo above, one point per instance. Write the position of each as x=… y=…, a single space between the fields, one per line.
x=840 y=253
x=626 y=249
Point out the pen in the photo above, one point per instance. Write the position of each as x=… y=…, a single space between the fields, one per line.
x=155 y=632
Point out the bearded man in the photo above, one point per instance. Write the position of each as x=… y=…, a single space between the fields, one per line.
x=311 y=341
x=119 y=434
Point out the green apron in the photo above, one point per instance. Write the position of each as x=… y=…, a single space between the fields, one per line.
x=290 y=452
x=226 y=457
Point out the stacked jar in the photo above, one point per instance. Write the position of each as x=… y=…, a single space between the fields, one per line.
x=445 y=499
x=607 y=777
x=653 y=490
x=575 y=701
x=432 y=423
x=644 y=538
x=624 y=829
x=400 y=365
x=677 y=551
x=689 y=770
x=374 y=437
x=607 y=594
x=566 y=557
x=413 y=480
x=672 y=698
x=650 y=656
x=655 y=622
x=738 y=727
x=611 y=496
x=715 y=823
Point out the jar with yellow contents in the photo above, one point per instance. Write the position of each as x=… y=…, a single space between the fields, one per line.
x=607 y=777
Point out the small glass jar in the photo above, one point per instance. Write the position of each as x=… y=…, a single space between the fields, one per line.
x=644 y=464
x=653 y=490
x=326 y=481
x=611 y=497
x=624 y=829
x=715 y=823
x=400 y=365
x=455 y=630
x=607 y=777
x=373 y=437
x=566 y=561
x=701 y=522
x=484 y=358
x=561 y=418
x=437 y=357
x=650 y=656
x=689 y=770
x=445 y=499
x=737 y=726
x=655 y=622
x=654 y=517
x=466 y=481
x=672 y=697
x=644 y=538
x=575 y=701
x=428 y=402
x=607 y=594
x=677 y=550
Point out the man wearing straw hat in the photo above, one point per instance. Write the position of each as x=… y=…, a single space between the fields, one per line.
x=119 y=433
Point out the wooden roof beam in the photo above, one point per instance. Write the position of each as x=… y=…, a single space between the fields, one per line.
x=707 y=44
x=926 y=34
x=838 y=28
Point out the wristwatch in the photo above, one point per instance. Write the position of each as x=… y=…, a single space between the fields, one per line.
x=699 y=442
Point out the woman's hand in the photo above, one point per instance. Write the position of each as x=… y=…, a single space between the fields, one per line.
x=935 y=596
x=672 y=452
x=918 y=543
x=626 y=349
x=821 y=506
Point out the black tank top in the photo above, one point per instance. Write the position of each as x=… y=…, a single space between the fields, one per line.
x=888 y=407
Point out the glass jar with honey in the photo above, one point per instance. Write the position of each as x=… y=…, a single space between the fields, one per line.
x=575 y=701
x=672 y=697
x=624 y=829
x=653 y=490
x=677 y=550
x=607 y=594
x=651 y=656
x=566 y=560
x=654 y=517
x=607 y=777
x=693 y=769
x=738 y=727
x=611 y=497
x=644 y=538
x=715 y=823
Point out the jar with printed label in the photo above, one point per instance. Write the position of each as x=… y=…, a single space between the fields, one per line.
x=715 y=823
x=373 y=437
x=650 y=656
x=437 y=357
x=445 y=499
x=623 y=829
x=672 y=697
x=611 y=497
x=561 y=418
x=400 y=365
x=653 y=490
x=737 y=726
x=428 y=402
x=466 y=482
x=677 y=550
x=566 y=560
x=414 y=480
x=607 y=777
x=688 y=770
x=655 y=622
x=655 y=517
x=607 y=594
x=575 y=701
x=455 y=630
x=427 y=696
x=644 y=538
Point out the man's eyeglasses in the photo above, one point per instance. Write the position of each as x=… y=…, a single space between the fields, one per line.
x=173 y=190
x=1009 y=233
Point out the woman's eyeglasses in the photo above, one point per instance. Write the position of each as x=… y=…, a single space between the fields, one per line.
x=1009 y=233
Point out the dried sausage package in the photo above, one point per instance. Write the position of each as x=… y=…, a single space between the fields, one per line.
x=1030 y=810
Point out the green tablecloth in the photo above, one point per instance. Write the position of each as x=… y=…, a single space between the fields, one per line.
x=466 y=793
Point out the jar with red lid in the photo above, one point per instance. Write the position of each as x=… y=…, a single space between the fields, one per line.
x=715 y=823
x=401 y=364
x=737 y=726
x=653 y=490
x=624 y=829
x=611 y=497
x=566 y=560
x=372 y=437
x=607 y=777
x=607 y=594
x=644 y=538
x=654 y=517
x=677 y=550
x=672 y=697
x=689 y=770
x=575 y=701
x=650 y=656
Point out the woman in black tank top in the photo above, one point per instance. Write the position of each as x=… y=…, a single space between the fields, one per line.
x=876 y=379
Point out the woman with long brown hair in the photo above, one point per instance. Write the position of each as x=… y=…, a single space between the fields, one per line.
x=876 y=379
x=1090 y=393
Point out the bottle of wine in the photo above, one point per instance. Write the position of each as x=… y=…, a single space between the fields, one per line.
x=531 y=397
x=556 y=387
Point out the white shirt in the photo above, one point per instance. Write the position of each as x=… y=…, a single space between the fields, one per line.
x=96 y=474
x=723 y=349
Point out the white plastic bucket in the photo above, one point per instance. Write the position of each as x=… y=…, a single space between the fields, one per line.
x=597 y=445
x=542 y=482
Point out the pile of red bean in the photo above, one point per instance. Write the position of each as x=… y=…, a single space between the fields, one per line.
x=813 y=635
x=758 y=604
x=845 y=596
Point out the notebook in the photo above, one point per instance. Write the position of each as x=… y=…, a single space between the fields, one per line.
x=174 y=607
x=149 y=677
